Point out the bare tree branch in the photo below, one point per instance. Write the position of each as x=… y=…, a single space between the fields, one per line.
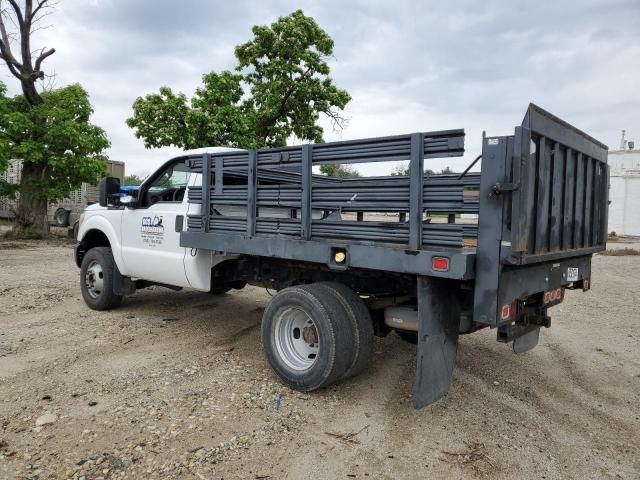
x=41 y=58
x=26 y=15
x=18 y=12
x=5 y=49
x=40 y=9
x=49 y=82
x=39 y=6
x=338 y=122
x=25 y=37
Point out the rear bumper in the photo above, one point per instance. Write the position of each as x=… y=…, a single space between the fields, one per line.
x=522 y=282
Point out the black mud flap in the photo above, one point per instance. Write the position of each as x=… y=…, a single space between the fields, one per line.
x=526 y=342
x=122 y=285
x=438 y=327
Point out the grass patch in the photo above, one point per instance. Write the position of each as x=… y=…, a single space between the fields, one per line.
x=11 y=235
x=620 y=252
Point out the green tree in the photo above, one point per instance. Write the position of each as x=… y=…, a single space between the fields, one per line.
x=133 y=180
x=53 y=138
x=281 y=89
x=403 y=169
x=340 y=171
x=49 y=131
x=446 y=170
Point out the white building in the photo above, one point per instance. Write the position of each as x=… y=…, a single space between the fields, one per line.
x=624 y=193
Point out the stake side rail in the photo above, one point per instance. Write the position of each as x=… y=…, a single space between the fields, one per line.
x=270 y=203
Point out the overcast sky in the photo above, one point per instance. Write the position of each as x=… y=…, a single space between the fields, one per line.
x=409 y=66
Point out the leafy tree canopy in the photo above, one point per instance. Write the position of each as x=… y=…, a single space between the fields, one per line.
x=403 y=169
x=340 y=171
x=280 y=88
x=132 y=180
x=56 y=136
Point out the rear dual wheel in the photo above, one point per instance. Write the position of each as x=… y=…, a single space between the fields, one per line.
x=311 y=336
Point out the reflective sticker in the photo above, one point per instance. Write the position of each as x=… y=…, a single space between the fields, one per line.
x=572 y=274
x=493 y=141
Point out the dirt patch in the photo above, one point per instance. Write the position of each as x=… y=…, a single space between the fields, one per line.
x=175 y=385
x=621 y=252
x=12 y=245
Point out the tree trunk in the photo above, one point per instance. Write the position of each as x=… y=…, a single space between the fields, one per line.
x=31 y=214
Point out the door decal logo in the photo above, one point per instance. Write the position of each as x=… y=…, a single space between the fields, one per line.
x=152 y=230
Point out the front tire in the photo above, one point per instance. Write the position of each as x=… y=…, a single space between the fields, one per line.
x=306 y=339
x=96 y=279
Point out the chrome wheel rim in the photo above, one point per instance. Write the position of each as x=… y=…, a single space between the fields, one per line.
x=296 y=338
x=94 y=279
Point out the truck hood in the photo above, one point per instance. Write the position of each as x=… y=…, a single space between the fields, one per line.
x=93 y=207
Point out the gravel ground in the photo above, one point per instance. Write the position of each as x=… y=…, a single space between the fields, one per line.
x=175 y=385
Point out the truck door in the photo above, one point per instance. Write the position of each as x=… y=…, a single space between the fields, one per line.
x=151 y=231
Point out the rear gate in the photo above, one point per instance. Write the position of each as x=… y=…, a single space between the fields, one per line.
x=543 y=212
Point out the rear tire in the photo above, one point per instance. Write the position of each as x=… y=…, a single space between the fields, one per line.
x=61 y=217
x=306 y=339
x=96 y=279
x=361 y=323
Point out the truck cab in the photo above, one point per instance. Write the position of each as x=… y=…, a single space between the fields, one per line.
x=142 y=228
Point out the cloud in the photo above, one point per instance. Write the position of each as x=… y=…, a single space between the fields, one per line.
x=409 y=66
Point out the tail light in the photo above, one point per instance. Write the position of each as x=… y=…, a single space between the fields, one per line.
x=509 y=311
x=553 y=296
x=440 y=264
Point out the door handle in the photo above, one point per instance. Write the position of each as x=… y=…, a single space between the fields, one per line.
x=179 y=222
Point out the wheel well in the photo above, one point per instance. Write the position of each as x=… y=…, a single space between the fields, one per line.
x=93 y=238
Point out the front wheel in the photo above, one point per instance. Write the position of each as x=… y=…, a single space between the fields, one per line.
x=96 y=279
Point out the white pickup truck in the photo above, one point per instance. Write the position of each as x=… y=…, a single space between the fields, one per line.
x=353 y=258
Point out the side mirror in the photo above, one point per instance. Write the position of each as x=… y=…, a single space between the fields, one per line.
x=109 y=188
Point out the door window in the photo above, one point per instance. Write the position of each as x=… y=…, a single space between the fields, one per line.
x=170 y=185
